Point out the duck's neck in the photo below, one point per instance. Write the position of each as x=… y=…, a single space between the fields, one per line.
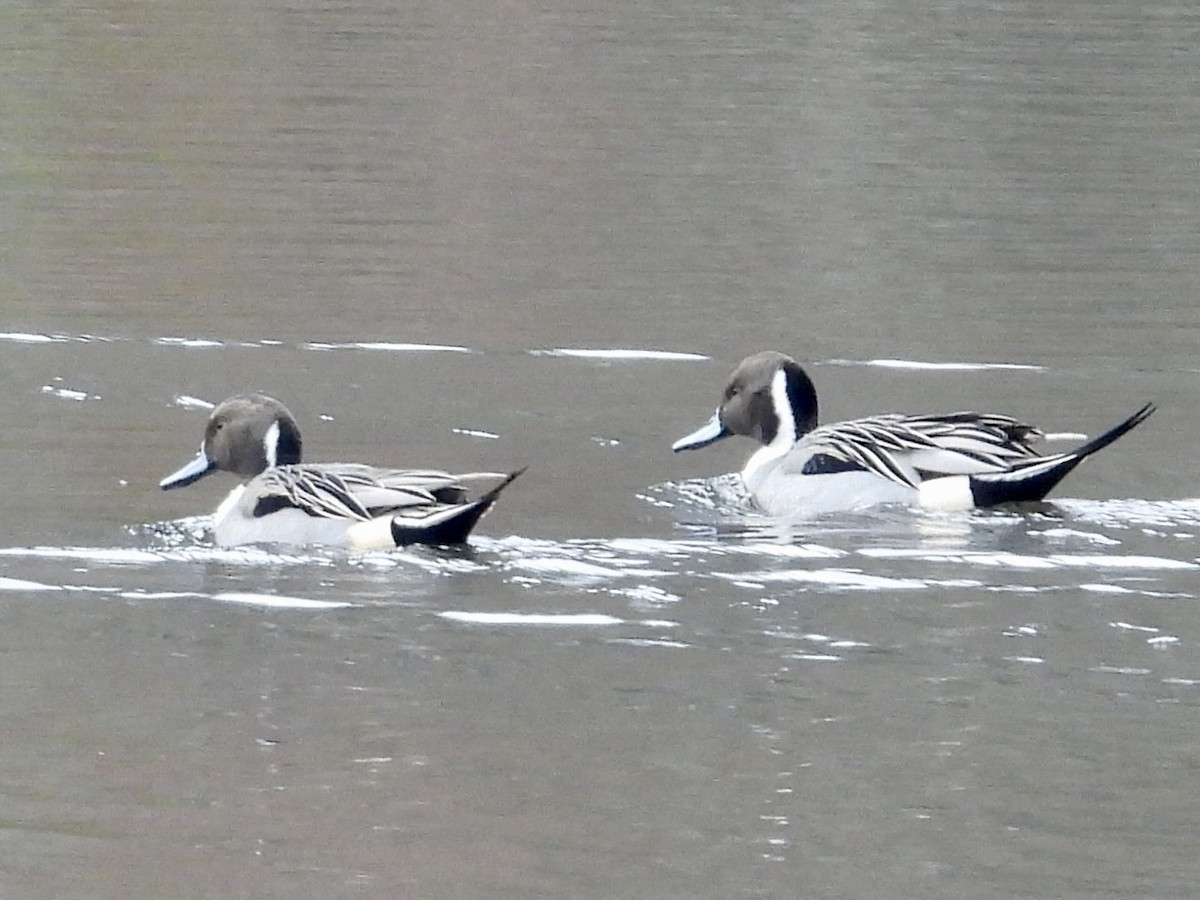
x=281 y=444
x=793 y=390
x=794 y=403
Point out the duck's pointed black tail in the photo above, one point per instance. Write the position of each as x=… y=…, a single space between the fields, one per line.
x=1033 y=480
x=450 y=525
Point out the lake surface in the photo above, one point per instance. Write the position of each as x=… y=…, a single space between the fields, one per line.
x=488 y=236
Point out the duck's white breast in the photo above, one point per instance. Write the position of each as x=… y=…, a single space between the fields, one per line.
x=234 y=524
x=779 y=492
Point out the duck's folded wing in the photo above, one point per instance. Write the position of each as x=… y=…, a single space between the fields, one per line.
x=350 y=491
x=311 y=490
x=853 y=447
x=905 y=449
x=399 y=490
x=969 y=443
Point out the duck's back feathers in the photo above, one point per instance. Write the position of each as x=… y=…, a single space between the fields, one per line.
x=908 y=449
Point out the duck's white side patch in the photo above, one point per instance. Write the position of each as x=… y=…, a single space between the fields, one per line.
x=946 y=494
x=271 y=445
x=374 y=534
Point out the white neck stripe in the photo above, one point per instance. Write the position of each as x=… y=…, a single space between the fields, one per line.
x=785 y=430
x=271 y=445
x=785 y=435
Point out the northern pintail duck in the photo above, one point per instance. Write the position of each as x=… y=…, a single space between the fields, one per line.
x=956 y=461
x=346 y=505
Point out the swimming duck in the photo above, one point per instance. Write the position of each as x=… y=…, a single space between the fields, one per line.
x=956 y=461
x=346 y=505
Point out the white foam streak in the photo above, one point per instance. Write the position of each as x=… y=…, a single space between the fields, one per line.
x=511 y=618
x=188 y=342
x=569 y=567
x=67 y=393
x=391 y=346
x=159 y=595
x=1023 y=561
x=646 y=595
x=1121 y=562
x=277 y=601
x=834 y=577
x=1135 y=513
x=24 y=337
x=250 y=556
x=114 y=555
x=1127 y=626
x=790 y=551
x=189 y=402
x=273 y=601
x=949 y=366
x=617 y=354
x=658 y=547
x=19 y=584
x=651 y=642
x=1162 y=641
x=1076 y=534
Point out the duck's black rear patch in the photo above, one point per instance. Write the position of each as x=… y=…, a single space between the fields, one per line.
x=824 y=464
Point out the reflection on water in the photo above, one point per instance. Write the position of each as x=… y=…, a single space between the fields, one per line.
x=891 y=550
x=777 y=659
x=620 y=638
x=948 y=607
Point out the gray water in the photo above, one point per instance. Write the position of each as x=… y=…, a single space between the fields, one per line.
x=428 y=228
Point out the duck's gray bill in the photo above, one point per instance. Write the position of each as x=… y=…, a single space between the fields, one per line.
x=710 y=431
x=200 y=465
